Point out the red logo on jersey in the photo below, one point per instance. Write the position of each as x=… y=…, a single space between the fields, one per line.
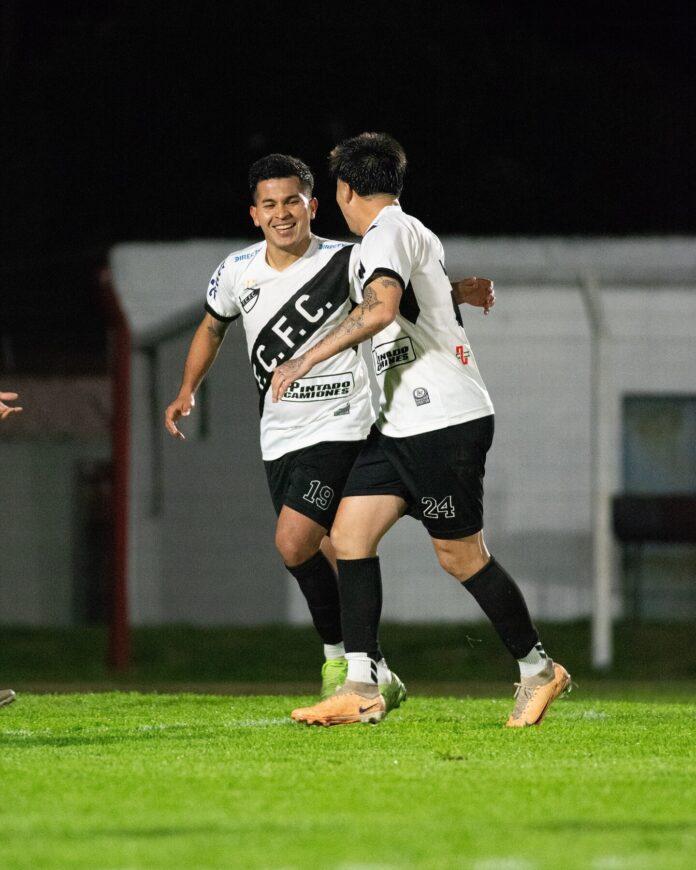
x=463 y=353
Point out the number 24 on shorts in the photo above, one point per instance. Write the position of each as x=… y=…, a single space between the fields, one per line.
x=434 y=509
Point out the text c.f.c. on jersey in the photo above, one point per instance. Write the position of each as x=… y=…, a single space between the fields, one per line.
x=284 y=313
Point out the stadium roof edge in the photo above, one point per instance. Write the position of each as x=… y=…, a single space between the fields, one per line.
x=161 y=284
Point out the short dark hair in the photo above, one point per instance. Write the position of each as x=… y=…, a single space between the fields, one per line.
x=370 y=163
x=279 y=166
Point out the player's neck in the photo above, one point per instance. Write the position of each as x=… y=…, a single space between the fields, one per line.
x=371 y=207
x=281 y=258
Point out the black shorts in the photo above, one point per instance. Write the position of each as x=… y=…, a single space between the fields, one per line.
x=438 y=474
x=311 y=480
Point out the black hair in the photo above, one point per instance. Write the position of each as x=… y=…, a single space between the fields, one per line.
x=370 y=163
x=279 y=166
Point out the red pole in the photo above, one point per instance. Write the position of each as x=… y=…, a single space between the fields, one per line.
x=120 y=352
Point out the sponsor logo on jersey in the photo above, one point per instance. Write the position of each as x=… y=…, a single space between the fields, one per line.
x=463 y=353
x=420 y=394
x=320 y=388
x=393 y=353
x=248 y=256
x=249 y=297
x=325 y=246
x=215 y=281
x=342 y=411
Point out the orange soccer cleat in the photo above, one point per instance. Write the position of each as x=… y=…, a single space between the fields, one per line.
x=535 y=695
x=345 y=707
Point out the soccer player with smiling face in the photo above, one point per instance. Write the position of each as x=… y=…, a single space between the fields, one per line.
x=283 y=209
x=426 y=454
x=290 y=290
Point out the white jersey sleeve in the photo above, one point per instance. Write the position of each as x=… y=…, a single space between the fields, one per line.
x=387 y=249
x=221 y=299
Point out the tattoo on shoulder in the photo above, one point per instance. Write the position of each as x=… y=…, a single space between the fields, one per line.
x=388 y=282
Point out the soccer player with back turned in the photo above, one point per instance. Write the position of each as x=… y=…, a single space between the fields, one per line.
x=426 y=454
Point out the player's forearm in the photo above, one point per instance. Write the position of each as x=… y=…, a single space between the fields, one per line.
x=377 y=310
x=358 y=326
x=459 y=292
x=202 y=353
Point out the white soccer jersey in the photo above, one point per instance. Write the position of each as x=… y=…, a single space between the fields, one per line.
x=284 y=313
x=424 y=365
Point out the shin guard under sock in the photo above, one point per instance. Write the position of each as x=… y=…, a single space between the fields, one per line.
x=360 y=585
x=317 y=580
x=502 y=601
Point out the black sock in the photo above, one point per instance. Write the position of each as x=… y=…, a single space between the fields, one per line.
x=317 y=580
x=360 y=585
x=502 y=601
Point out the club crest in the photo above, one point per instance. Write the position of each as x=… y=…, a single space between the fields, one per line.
x=249 y=298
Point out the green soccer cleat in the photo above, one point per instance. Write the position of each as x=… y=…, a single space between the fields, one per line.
x=393 y=692
x=333 y=675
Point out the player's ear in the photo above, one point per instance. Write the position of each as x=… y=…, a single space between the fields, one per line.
x=252 y=212
x=314 y=205
x=343 y=191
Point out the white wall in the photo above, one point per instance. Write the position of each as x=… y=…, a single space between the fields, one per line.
x=38 y=533
x=534 y=352
x=64 y=427
x=204 y=554
x=207 y=555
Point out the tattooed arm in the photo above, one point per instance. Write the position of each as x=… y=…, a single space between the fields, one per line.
x=202 y=352
x=378 y=309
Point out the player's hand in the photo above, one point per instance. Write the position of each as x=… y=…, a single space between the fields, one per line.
x=180 y=407
x=285 y=375
x=6 y=410
x=475 y=291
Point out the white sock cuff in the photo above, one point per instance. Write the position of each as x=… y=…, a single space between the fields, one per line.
x=383 y=672
x=534 y=662
x=334 y=650
x=361 y=668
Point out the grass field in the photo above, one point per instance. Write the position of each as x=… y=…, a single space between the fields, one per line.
x=130 y=780
x=126 y=780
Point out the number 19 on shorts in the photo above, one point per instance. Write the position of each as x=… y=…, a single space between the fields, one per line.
x=319 y=494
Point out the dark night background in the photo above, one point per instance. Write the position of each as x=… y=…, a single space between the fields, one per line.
x=137 y=121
